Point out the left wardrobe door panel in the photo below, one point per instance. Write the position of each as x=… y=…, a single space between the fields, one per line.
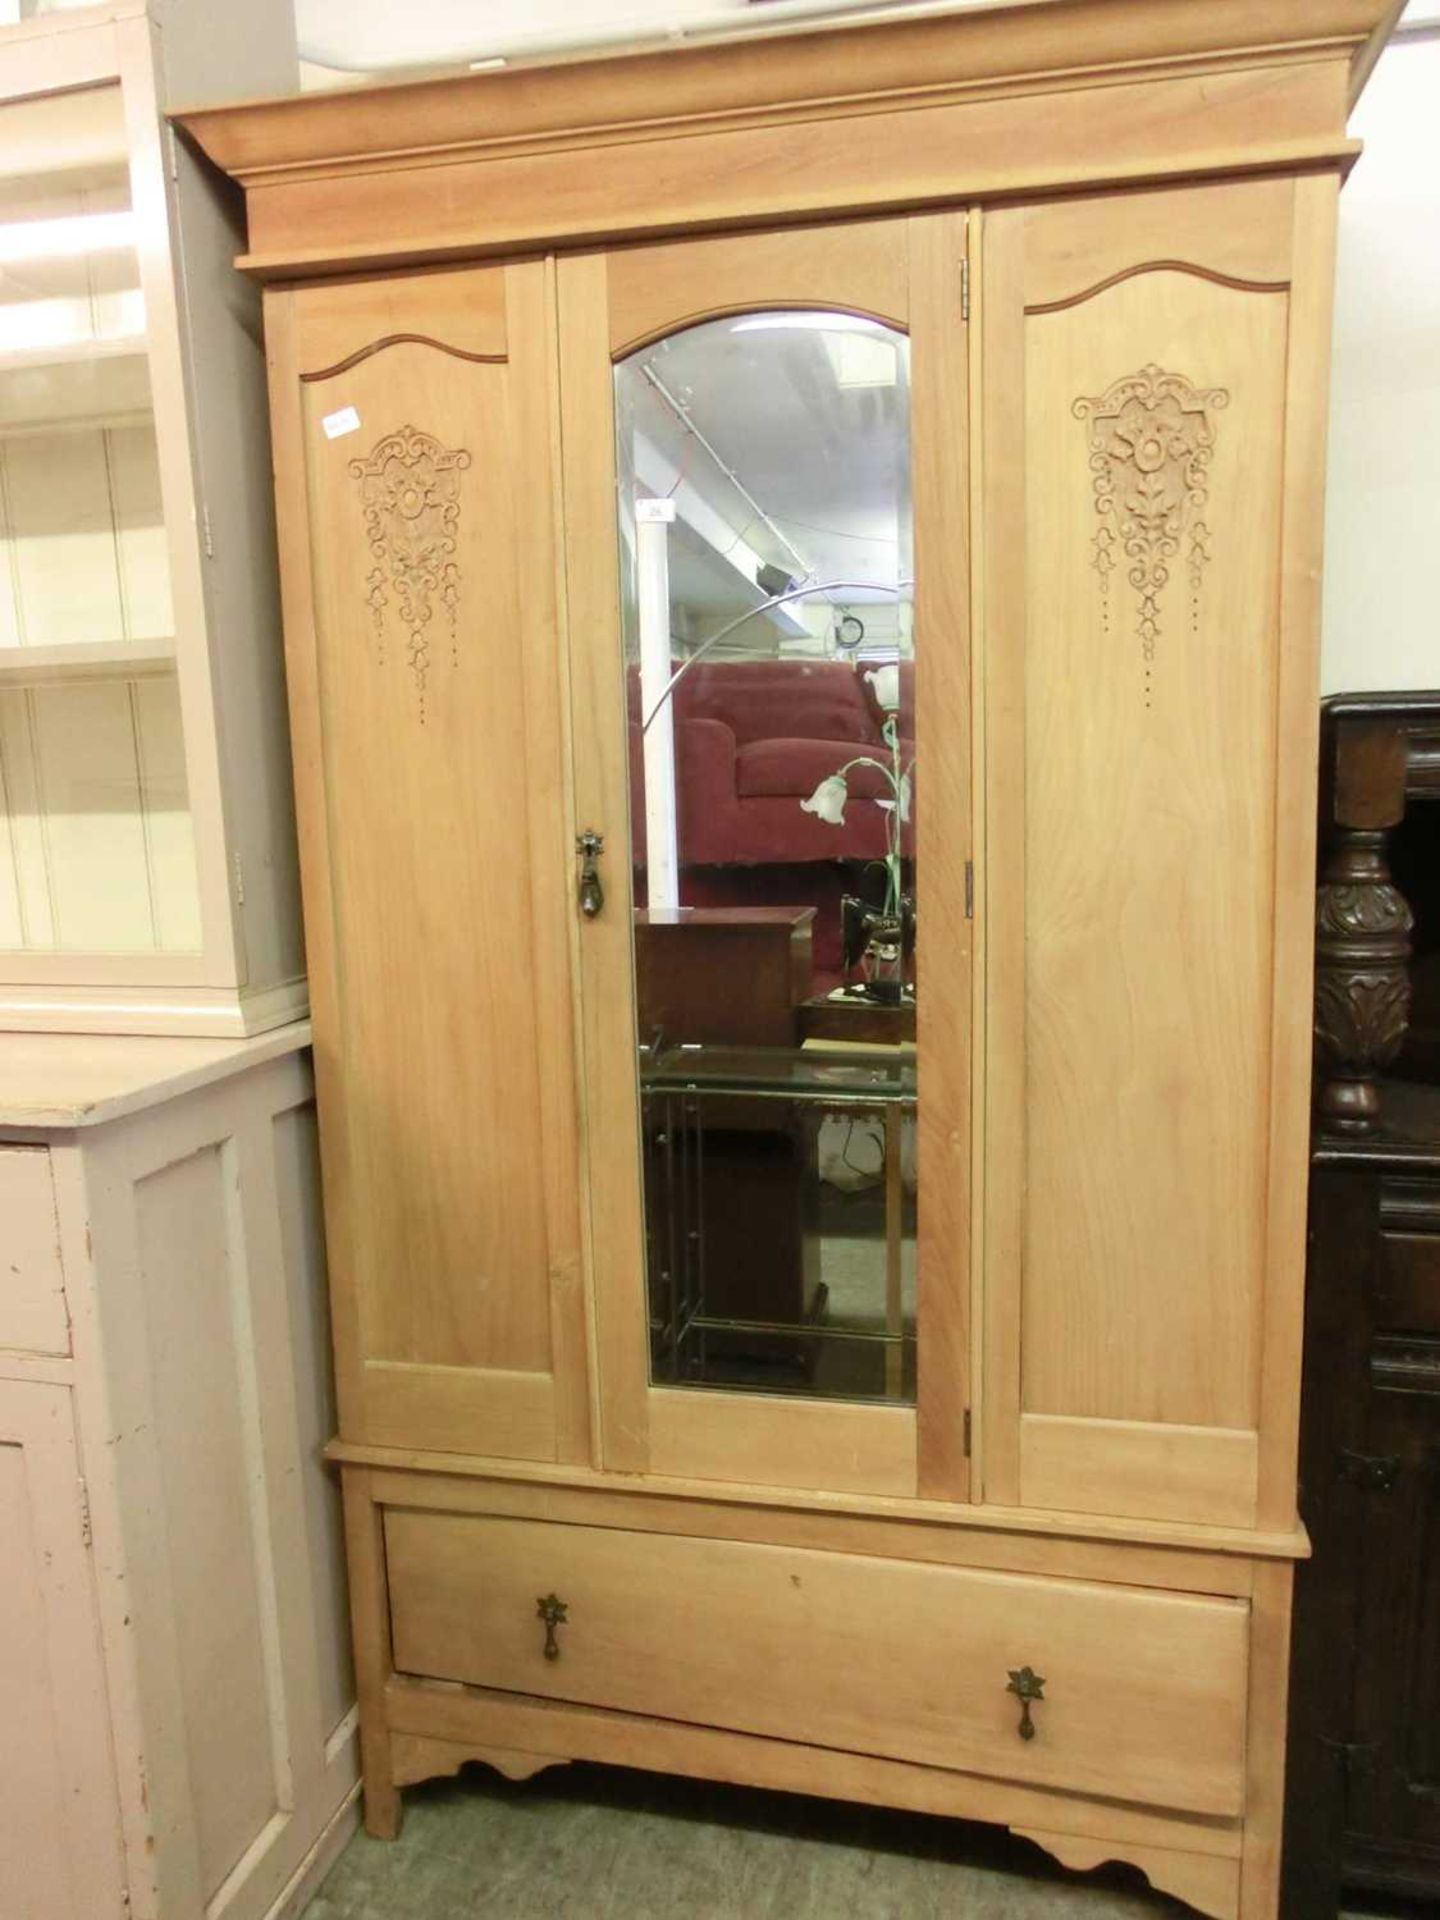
x=414 y=459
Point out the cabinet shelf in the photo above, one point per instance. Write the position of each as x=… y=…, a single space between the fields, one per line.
x=86 y=660
x=82 y=383
x=65 y=353
x=130 y=366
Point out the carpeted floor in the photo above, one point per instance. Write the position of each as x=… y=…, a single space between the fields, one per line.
x=598 y=1843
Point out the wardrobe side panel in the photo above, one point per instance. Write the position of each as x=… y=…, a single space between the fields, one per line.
x=1143 y=346
x=425 y=683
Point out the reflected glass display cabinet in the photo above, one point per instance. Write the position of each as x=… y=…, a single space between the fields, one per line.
x=800 y=561
x=147 y=869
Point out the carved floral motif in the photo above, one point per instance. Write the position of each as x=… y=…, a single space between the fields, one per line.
x=1151 y=440
x=410 y=493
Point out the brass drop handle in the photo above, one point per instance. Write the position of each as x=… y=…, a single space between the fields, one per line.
x=590 y=845
x=554 y=1612
x=1026 y=1685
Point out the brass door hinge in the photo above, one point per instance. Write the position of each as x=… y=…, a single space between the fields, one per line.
x=965 y=288
x=969 y=889
x=967 y=1433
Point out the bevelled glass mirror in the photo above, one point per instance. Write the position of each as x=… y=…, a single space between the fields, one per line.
x=765 y=533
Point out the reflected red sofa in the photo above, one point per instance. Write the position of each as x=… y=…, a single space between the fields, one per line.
x=755 y=738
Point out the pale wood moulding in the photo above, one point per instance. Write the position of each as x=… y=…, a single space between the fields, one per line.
x=337 y=182
x=826 y=71
x=478 y=1718
x=1282 y=1543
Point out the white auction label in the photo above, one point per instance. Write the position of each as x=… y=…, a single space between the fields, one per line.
x=347 y=420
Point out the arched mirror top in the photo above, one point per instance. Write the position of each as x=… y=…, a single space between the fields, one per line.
x=781 y=436
x=796 y=312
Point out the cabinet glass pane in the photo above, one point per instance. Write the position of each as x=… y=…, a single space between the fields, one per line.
x=97 y=851
x=769 y=658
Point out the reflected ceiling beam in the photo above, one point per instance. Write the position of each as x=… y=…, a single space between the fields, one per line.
x=683 y=415
x=661 y=478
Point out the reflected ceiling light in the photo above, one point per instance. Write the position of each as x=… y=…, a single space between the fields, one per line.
x=862 y=352
x=808 y=322
x=65 y=238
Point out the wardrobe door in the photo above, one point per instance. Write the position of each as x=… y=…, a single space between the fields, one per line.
x=1154 y=381
x=771 y=698
x=416 y=474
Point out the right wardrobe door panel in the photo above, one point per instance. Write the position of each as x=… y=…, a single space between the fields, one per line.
x=1151 y=368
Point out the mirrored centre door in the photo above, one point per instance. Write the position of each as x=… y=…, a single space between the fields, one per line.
x=765 y=503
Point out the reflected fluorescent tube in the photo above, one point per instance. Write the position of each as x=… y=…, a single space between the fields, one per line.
x=62 y=239
x=808 y=323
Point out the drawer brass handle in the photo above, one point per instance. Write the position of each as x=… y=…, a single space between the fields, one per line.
x=554 y=1612
x=1026 y=1685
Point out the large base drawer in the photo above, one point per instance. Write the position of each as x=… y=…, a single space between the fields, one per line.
x=1143 y=1693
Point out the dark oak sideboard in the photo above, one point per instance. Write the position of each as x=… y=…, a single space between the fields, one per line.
x=1363 y=1788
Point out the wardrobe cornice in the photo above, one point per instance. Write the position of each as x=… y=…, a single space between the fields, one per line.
x=852 y=118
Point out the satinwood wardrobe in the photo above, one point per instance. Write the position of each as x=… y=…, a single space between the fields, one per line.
x=801 y=563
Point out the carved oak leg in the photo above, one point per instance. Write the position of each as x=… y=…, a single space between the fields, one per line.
x=1362 y=979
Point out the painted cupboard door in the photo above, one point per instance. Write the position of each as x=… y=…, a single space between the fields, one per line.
x=34 y=1315
x=60 y=1854
x=416 y=478
x=770 y=665
x=1153 y=392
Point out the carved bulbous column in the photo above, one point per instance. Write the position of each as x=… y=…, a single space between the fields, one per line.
x=1362 y=979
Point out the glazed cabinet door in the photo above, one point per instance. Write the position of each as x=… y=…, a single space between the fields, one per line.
x=1153 y=394
x=414 y=430
x=771 y=677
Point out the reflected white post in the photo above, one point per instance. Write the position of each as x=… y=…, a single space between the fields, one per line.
x=652 y=569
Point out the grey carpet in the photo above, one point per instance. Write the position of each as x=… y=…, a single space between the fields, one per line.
x=598 y=1843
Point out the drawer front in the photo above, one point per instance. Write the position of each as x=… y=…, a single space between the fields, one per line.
x=33 y=1316
x=1407 y=1291
x=1143 y=1692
